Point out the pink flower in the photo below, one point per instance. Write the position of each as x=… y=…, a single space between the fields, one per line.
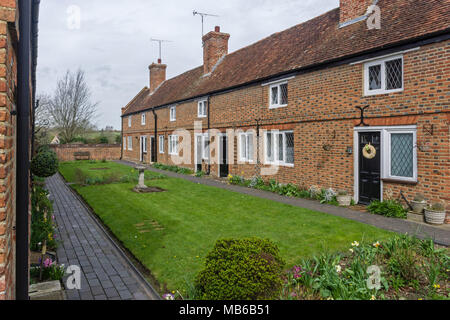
x=48 y=263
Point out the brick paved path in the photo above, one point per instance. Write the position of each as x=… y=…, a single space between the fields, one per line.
x=440 y=234
x=106 y=273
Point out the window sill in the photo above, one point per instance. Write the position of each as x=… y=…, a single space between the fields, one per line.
x=288 y=165
x=384 y=92
x=399 y=181
x=278 y=106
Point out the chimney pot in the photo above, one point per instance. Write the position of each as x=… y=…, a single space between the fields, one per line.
x=217 y=29
x=159 y=61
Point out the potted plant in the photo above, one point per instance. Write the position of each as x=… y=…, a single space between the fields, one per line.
x=344 y=198
x=435 y=214
x=419 y=203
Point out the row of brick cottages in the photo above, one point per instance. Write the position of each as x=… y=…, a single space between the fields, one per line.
x=306 y=125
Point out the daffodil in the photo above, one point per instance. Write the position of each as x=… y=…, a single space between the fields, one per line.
x=373 y=298
x=351 y=250
x=338 y=268
x=376 y=244
x=355 y=244
x=436 y=286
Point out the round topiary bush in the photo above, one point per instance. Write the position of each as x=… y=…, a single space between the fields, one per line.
x=241 y=269
x=44 y=164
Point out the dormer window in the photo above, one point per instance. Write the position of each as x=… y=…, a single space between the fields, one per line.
x=383 y=76
x=202 y=109
x=173 y=113
x=279 y=95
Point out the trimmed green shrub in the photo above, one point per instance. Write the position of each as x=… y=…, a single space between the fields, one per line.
x=45 y=164
x=241 y=269
x=103 y=140
x=389 y=208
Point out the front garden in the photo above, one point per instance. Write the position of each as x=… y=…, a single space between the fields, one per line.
x=171 y=233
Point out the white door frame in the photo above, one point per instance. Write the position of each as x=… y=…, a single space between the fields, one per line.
x=196 y=150
x=141 y=144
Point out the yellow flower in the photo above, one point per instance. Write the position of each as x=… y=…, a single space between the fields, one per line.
x=420 y=299
x=373 y=298
x=376 y=244
x=436 y=286
x=355 y=244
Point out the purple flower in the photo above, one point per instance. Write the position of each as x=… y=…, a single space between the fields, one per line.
x=48 y=263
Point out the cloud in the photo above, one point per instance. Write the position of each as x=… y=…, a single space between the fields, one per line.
x=113 y=42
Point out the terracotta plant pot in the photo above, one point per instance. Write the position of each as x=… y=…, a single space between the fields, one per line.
x=344 y=201
x=418 y=207
x=434 y=217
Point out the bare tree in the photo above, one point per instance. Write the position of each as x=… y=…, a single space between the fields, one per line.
x=71 y=108
x=42 y=123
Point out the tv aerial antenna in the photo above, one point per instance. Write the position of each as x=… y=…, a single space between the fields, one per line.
x=160 y=42
x=204 y=15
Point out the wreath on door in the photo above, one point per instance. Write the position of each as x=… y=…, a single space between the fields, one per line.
x=369 y=151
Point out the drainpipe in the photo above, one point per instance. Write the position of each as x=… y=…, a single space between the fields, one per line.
x=208 y=171
x=155 y=148
x=24 y=103
x=121 y=130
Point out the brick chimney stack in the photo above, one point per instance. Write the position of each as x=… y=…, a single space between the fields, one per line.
x=157 y=75
x=215 y=46
x=352 y=9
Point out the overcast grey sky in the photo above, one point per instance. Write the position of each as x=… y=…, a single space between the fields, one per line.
x=112 y=44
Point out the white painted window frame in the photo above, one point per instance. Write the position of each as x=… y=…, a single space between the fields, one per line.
x=249 y=136
x=161 y=145
x=130 y=143
x=388 y=134
x=124 y=141
x=173 y=145
x=129 y=121
x=202 y=109
x=143 y=119
x=173 y=113
x=276 y=147
x=278 y=86
x=382 y=63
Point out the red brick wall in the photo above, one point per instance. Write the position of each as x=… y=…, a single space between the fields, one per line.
x=322 y=111
x=97 y=152
x=352 y=9
x=215 y=47
x=8 y=81
x=157 y=75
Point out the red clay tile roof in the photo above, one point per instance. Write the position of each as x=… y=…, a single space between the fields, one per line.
x=316 y=41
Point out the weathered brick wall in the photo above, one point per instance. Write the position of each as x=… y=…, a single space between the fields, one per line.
x=8 y=81
x=97 y=152
x=352 y=9
x=322 y=111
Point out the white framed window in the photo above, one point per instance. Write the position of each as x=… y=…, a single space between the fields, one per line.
x=173 y=145
x=203 y=109
x=144 y=144
x=205 y=144
x=384 y=76
x=246 y=150
x=161 y=144
x=279 y=146
x=124 y=141
x=278 y=96
x=173 y=113
x=143 y=119
x=130 y=143
x=129 y=121
x=400 y=154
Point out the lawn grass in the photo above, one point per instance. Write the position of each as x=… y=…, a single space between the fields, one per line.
x=172 y=232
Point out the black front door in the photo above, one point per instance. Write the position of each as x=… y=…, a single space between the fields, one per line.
x=153 y=149
x=369 y=169
x=224 y=171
